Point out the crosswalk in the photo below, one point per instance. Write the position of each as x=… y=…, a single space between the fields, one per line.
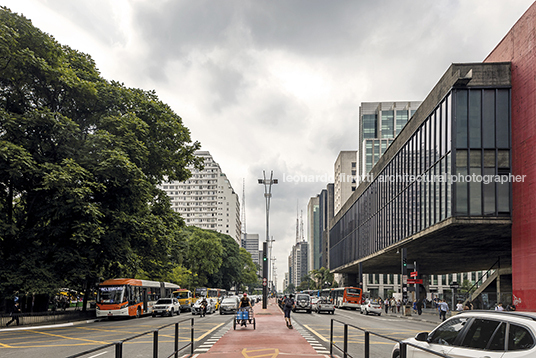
x=318 y=347
x=209 y=342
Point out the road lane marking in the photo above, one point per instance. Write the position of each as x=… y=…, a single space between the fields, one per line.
x=65 y=337
x=208 y=332
x=316 y=333
x=272 y=352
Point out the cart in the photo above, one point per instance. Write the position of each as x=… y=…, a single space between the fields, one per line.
x=243 y=317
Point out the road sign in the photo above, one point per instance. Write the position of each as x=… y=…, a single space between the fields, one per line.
x=413 y=274
x=264 y=281
x=414 y=281
x=404 y=279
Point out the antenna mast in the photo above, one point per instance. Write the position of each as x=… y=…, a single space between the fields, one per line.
x=244 y=231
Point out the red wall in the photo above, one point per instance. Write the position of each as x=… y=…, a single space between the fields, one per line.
x=519 y=48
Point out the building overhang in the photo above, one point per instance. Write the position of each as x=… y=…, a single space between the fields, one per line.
x=457 y=244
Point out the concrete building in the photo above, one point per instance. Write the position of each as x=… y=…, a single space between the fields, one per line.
x=462 y=129
x=519 y=48
x=313 y=233
x=345 y=169
x=298 y=262
x=207 y=200
x=379 y=124
x=251 y=244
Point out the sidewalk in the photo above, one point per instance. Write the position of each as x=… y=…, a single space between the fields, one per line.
x=271 y=338
x=430 y=315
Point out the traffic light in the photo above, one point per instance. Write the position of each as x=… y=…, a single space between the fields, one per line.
x=404 y=262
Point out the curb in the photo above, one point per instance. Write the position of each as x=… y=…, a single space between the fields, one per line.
x=67 y=324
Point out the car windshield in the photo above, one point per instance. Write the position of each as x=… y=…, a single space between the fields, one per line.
x=229 y=300
x=302 y=297
x=164 y=301
x=182 y=295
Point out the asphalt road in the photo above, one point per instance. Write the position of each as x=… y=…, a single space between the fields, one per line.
x=55 y=341
x=317 y=327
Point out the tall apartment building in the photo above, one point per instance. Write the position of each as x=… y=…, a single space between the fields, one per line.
x=298 y=262
x=207 y=200
x=251 y=244
x=379 y=124
x=314 y=236
x=345 y=177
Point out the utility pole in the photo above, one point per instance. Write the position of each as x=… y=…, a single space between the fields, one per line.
x=266 y=256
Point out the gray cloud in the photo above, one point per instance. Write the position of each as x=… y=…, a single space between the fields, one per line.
x=276 y=85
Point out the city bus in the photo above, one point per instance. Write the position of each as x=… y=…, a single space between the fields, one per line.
x=325 y=293
x=129 y=297
x=185 y=298
x=346 y=297
x=210 y=292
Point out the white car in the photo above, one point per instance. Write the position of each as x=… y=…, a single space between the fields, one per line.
x=211 y=306
x=322 y=304
x=490 y=334
x=167 y=307
x=371 y=306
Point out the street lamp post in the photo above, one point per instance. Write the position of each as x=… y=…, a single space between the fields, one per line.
x=266 y=268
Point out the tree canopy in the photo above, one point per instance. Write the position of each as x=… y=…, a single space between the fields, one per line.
x=81 y=158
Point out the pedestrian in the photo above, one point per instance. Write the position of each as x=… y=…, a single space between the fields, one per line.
x=386 y=303
x=443 y=308
x=499 y=307
x=392 y=303
x=414 y=306
x=15 y=314
x=419 y=307
x=459 y=306
x=398 y=304
x=288 y=305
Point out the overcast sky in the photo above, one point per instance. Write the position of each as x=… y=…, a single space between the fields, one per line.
x=276 y=85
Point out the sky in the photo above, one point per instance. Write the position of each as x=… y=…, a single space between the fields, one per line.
x=276 y=85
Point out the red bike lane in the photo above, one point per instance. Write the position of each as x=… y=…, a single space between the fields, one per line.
x=270 y=339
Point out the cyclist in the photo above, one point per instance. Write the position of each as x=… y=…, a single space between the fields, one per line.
x=245 y=304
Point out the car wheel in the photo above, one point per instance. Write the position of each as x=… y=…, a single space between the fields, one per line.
x=308 y=311
x=396 y=354
x=153 y=315
x=379 y=314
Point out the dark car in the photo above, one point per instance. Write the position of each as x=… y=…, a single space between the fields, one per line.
x=303 y=303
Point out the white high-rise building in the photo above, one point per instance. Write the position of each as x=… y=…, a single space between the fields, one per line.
x=345 y=177
x=207 y=200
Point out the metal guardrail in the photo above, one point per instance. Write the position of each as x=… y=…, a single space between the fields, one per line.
x=344 y=350
x=119 y=345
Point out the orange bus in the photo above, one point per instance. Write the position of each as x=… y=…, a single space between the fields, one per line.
x=129 y=297
x=346 y=297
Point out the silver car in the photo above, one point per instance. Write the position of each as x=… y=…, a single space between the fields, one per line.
x=211 y=306
x=229 y=305
x=490 y=334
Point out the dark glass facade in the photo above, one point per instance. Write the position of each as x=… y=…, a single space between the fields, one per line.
x=447 y=167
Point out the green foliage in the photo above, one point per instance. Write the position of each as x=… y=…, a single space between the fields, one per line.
x=322 y=278
x=80 y=161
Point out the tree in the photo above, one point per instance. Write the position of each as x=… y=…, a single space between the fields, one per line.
x=80 y=162
x=204 y=256
x=231 y=266
x=322 y=278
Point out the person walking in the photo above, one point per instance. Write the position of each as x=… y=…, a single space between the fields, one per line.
x=386 y=305
x=443 y=309
x=288 y=305
x=14 y=314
